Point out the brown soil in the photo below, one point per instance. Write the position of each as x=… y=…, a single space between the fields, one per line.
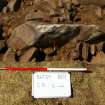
x=88 y=88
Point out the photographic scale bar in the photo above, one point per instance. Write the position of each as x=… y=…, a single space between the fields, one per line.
x=43 y=69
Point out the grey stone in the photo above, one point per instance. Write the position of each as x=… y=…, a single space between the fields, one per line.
x=99 y=13
x=43 y=36
x=5 y=10
x=75 y=2
x=85 y=50
x=53 y=36
x=93 y=49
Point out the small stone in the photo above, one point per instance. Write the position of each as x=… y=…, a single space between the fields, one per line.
x=99 y=13
x=56 y=20
x=31 y=3
x=26 y=57
x=68 y=6
x=62 y=18
x=7 y=30
x=63 y=11
x=75 y=2
x=21 y=37
x=9 y=56
x=20 y=52
x=60 y=3
x=93 y=49
x=14 y=5
x=52 y=13
x=77 y=18
x=5 y=10
x=85 y=50
x=48 y=51
x=76 y=53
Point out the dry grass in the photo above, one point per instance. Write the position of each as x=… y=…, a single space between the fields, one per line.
x=88 y=88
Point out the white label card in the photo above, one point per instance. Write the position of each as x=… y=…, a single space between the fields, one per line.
x=51 y=84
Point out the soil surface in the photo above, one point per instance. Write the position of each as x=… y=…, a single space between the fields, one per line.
x=88 y=88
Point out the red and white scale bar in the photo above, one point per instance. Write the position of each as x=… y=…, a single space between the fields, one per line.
x=42 y=69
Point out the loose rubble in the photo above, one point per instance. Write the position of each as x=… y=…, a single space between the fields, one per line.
x=30 y=37
x=39 y=36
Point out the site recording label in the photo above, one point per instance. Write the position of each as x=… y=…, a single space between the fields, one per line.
x=51 y=84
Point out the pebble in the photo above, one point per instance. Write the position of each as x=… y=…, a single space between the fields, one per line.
x=93 y=49
x=85 y=50
x=14 y=5
x=5 y=10
x=9 y=56
x=99 y=13
x=75 y=2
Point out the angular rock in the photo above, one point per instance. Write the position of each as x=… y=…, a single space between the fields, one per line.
x=62 y=19
x=56 y=20
x=7 y=30
x=99 y=13
x=74 y=55
x=76 y=52
x=85 y=51
x=31 y=34
x=14 y=5
x=21 y=37
x=48 y=51
x=44 y=36
x=9 y=56
x=20 y=52
x=5 y=10
x=27 y=55
x=68 y=4
x=77 y=18
x=60 y=3
x=75 y=2
x=93 y=49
